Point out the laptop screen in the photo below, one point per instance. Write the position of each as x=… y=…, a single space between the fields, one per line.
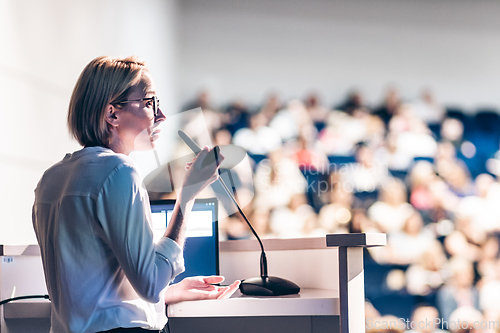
x=201 y=249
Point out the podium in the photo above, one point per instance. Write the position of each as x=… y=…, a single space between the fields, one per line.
x=329 y=271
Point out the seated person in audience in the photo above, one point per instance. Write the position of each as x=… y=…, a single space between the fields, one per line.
x=459 y=290
x=276 y=180
x=308 y=158
x=260 y=219
x=489 y=293
x=457 y=244
x=474 y=235
x=390 y=105
x=208 y=118
x=317 y=112
x=202 y=100
x=413 y=137
x=375 y=134
x=296 y=220
x=258 y=139
x=422 y=175
x=426 y=274
x=468 y=320
x=452 y=131
x=354 y=102
x=398 y=161
x=493 y=164
x=222 y=137
x=392 y=210
x=236 y=116
x=421 y=317
x=360 y=223
x=445 y=202
x=271 y=106
x=366 y=176
x=409 y=244
x=342 y=133
x=458 y=179
x=446 y=155
x=488 y=265
x=286 y=122
x=455 y=174
x=428 y=110
x=234 y=228
x=292 y=121
x=482 y=207
x=336 y=215
x=313 y=163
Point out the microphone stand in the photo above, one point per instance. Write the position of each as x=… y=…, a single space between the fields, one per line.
x=264 y=285
x=263 y=258
x=260 y=286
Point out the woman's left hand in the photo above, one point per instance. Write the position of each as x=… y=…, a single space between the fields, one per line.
x=199 y=288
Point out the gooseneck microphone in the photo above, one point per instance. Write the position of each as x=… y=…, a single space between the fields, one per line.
x=259 y=286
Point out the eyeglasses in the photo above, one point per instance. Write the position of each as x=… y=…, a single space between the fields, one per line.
x=154 y=99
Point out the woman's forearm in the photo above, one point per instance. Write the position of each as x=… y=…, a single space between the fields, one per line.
x=176 y=228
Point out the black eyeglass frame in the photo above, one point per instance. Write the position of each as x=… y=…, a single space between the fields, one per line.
x=156 y=103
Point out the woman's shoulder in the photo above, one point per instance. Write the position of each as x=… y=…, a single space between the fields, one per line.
x=103 y=158
x=87 y=171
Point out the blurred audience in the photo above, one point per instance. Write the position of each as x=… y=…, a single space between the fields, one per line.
x=397 y=168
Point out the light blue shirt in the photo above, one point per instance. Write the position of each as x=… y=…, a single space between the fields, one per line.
x=92 y=220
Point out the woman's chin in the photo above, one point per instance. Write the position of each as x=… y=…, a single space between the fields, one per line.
x=154 y=136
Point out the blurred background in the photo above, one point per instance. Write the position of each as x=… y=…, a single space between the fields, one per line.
x=357 y=116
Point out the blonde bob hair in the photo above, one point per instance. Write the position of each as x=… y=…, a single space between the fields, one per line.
x=104 y=81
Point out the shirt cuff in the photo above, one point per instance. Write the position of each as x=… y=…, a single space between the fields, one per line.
x=169 y=249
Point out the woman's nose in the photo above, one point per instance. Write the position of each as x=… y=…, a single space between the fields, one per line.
x=160 y=116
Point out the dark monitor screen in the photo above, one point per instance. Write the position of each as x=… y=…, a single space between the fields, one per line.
x=201 y=249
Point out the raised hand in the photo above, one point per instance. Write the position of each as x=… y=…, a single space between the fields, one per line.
x=199 y=174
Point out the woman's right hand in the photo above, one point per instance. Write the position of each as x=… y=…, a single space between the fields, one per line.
x=198 y=177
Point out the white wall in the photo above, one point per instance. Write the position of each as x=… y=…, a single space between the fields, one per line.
x=246 y=48
x=44 y=47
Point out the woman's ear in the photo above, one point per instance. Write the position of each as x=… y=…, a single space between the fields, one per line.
x=110 y=116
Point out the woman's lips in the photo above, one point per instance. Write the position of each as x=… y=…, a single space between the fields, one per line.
x=156 y=133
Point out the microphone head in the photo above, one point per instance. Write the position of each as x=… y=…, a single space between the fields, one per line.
x=189 y=142
x=233 y=155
